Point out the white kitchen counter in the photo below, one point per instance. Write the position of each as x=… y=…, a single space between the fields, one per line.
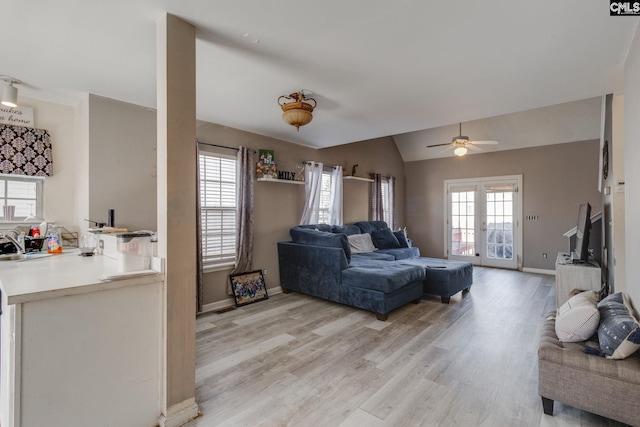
x=76 y=349
x=62 y=275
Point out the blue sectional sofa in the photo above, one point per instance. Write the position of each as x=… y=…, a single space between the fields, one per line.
x=318 y=261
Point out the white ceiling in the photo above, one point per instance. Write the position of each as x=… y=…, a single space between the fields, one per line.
x=376 y=68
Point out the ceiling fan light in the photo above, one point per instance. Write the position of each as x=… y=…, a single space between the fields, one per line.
x=460 y=151
x=10 y=96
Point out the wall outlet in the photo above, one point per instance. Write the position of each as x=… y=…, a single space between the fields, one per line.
x=264 y=271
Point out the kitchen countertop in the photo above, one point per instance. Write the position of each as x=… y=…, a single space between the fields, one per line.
x=64 y=275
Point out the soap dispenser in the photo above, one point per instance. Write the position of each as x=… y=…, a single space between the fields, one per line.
x=54 y=244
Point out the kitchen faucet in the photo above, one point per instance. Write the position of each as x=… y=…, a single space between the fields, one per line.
x=17 y=239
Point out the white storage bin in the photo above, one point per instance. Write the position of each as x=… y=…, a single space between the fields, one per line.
x=133 y=251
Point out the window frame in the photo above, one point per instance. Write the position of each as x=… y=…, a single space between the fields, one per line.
x=211 y=262
x=39 y=198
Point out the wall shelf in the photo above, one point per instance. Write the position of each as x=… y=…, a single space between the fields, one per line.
x=284 y=181
x=357 y=178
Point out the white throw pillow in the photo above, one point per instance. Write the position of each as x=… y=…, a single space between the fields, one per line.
x=361 y=243
x=578 y=318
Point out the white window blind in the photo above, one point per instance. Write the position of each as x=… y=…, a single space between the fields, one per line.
x=218 y=208
x=23 y=192
x=387 y=203
x=325 y=198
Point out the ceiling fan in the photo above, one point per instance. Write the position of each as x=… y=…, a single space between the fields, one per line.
x=461 y=143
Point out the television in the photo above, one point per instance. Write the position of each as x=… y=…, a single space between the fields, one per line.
x=580 y=251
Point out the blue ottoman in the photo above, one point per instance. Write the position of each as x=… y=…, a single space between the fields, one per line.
x=444 y=278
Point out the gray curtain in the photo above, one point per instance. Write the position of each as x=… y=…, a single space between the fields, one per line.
x=376 y=212
x=199 y=272
x=244 y=216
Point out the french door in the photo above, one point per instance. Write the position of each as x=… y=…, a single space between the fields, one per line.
x=484 y=221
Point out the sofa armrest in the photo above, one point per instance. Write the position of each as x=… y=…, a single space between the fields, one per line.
x=312 y=270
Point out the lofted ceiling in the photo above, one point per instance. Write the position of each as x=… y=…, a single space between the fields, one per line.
x=376 y=68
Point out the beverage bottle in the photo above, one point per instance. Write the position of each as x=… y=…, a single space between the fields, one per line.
x=54 y=244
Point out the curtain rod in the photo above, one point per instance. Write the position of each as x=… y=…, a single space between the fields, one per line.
x=220 y=146
x=309 y=163
x=381 y=176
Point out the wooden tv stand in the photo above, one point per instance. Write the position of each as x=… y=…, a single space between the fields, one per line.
x=569 y=276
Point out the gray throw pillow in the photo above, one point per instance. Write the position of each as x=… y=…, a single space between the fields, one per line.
x=360 y=243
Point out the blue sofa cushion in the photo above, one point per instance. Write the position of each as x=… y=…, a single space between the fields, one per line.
x=401 y=253
x=345 y=229
x=309 y=236
x=371 y=226
x=387 y=278
x=369 y=258
x=401 y=235
x=385 y=239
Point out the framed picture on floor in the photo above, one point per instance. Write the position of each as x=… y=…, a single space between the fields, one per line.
x=248 y=287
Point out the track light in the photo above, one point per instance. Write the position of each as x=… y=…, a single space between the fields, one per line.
x=10 y=92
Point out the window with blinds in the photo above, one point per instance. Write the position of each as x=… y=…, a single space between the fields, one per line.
x=218 y=209
x=325 y=198
x=23 y=192
x=387 y=203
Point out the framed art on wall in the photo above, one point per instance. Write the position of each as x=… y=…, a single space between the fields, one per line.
x=248 y=287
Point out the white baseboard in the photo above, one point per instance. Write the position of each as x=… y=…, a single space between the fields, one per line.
x=230 y=302
x=539 y=271
x=179 y=414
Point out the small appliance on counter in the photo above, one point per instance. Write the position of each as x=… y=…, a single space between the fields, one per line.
x=132 y=250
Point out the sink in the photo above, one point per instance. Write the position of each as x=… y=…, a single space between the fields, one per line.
x=24 y=257
x=12 y=257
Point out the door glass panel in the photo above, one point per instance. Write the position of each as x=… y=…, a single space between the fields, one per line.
x=462 y=223
x=500 y=225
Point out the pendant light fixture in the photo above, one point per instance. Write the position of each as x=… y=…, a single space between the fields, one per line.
x=10 y=92
x=297 y=112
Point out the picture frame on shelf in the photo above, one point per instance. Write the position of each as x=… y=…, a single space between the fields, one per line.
x=248 y=287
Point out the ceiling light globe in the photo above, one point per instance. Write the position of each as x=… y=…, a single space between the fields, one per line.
x=460 y=151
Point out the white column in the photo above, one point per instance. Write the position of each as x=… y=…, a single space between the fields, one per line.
x=176 y=64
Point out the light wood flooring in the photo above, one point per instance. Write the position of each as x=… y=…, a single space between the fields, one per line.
x=294 y=360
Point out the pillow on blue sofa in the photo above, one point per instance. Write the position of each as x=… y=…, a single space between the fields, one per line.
x=361 y=243
x=384 y=239
x=371 y=226
x=308 y=236
x=401 y=235
x=619 y=331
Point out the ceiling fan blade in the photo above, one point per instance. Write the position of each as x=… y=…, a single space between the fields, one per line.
x=484 y=142
x=438 y=145
x=473 y=147
x=450 y=147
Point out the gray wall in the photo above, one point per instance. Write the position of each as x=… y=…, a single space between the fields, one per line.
x=631 y=170
x=122 y=163
x=556 y=179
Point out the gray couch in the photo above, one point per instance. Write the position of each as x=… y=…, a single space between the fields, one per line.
x=318 y=262
x=606 y=387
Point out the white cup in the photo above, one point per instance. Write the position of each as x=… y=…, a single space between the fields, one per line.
x=9 y=212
